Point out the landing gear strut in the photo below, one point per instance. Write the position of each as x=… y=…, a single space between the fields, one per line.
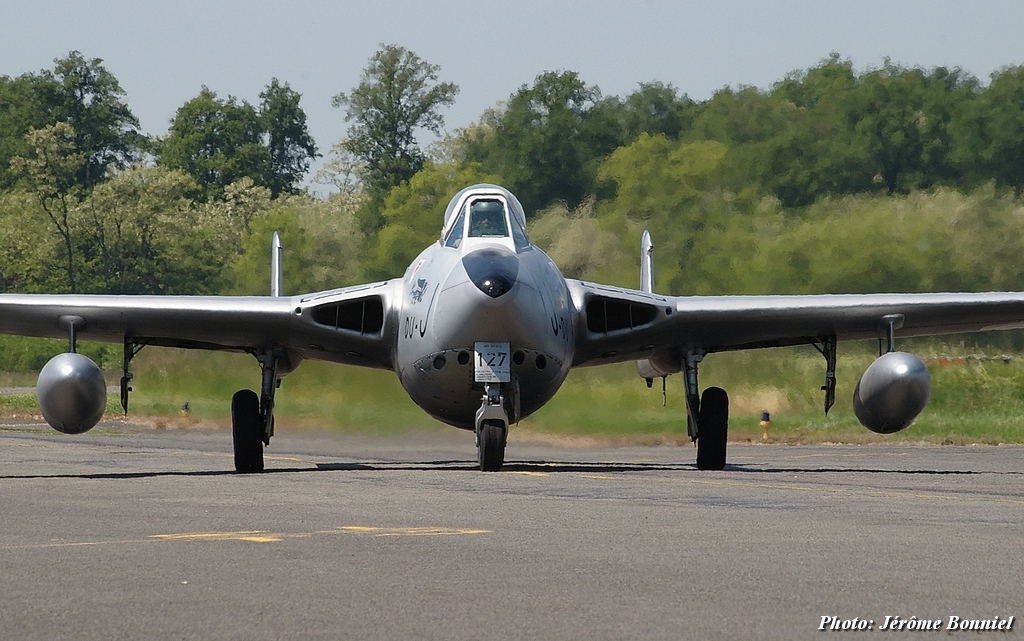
x=826 y=346
x=491 y=429
x=690 y=362
x=707 y=416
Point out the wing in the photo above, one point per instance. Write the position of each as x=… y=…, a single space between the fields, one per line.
x=353 y=325
x=615 y=324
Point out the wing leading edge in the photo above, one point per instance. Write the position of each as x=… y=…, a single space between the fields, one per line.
x=616 y=324
x=353 y=325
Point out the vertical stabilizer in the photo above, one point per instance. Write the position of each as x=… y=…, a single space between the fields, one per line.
x=276 y=273
x=644 y=367
x=646 y=264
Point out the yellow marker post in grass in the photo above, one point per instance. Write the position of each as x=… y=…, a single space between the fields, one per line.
x=766 y=424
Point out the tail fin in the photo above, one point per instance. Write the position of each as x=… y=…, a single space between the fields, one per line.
x=276 y=273
x=644 y=367
x=647 y=264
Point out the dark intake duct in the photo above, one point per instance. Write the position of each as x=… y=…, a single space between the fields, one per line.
x=72 y=393
x=892 y=392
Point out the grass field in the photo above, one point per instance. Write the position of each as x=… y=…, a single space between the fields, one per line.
x=976 y=397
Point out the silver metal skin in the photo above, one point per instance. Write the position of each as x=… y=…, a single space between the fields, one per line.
x=72 y=393
x=472 y=286
x=892 y=392
x=442 y=313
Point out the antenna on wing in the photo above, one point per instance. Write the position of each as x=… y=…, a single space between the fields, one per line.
x=276 y=273
x=647 y=263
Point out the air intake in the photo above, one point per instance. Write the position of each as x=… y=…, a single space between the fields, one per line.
x=365 y=315
x=608 y=315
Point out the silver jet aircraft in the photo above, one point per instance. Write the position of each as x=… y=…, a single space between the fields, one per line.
x=483 y=328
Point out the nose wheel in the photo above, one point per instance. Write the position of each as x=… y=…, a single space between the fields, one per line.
x=491 y=446
x=491 y=429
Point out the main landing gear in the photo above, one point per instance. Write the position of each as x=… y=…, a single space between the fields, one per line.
x=491 y=429
x=713 y=429
x=247 y=431
x=252 y=417
x=707 y=416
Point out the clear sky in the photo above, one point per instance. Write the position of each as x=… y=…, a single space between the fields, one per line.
x=164 y=52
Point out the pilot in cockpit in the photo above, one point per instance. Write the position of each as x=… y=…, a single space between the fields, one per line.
x=487 y=220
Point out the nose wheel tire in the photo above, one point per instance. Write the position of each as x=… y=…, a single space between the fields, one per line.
x=712 y=429
x=247 y=431
x=491 y=446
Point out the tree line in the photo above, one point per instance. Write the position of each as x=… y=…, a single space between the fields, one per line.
x=892 y=178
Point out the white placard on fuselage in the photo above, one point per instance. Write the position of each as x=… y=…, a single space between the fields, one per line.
x=492 y=362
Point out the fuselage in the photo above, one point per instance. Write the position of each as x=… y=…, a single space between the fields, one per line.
x=480 y=286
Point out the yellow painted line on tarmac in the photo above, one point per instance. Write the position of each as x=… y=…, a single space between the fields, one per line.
x=833 y=455
x=259 y=536
x=288 y=458
x=70 y=544
x=806 y=488
x=408 y=531
x=254 y=536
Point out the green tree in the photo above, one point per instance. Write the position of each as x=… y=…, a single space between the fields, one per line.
x=136 y=233
x=321 y=242
x=837 y=132
x=341 y=170
x=81 y=93
x=939 y=240
x=660 y=184
x=898 y=123
x=21 y=109
x=217 y=142
x=145 y=236
x=250 y=272
x=51 y=174
x=547 y=142
x=291 y=147
x=576 y=242
x=90 y=99
x=398 y=94
x=656 y=108
x=988 y=133
x=748 y=121
x=808 y=158
x=414 y=214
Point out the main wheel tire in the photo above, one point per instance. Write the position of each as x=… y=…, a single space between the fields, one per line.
x=712 y=429
x=491 y=448
x=247 y=431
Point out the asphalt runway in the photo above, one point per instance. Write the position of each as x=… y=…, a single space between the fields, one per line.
x=139 y=533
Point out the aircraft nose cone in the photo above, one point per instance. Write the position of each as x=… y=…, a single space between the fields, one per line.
x=493 y=271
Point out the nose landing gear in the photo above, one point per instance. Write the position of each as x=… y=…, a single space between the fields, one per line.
x=491 y=429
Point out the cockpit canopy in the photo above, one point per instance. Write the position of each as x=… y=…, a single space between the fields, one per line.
x=487 y=219
x=485 y=214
